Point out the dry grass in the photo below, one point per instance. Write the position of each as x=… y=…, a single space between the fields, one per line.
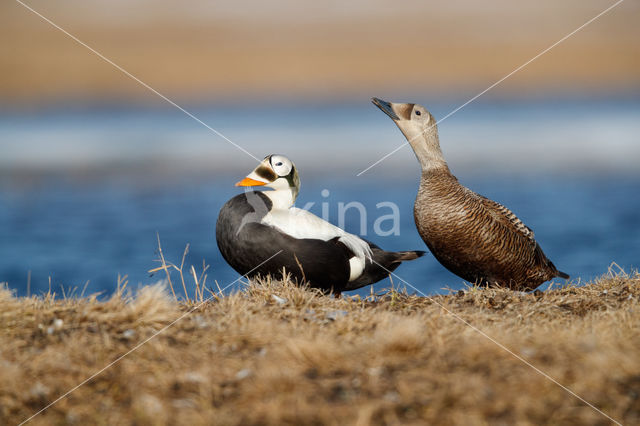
x=275 y=353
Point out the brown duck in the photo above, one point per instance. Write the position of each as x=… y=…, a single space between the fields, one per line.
x=472 y=236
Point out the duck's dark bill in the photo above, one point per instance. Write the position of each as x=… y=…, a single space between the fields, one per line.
x=250 y=182
x=385 y=107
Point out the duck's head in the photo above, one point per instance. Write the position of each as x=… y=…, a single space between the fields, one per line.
x=419 y=127
x=276 y=172
x=413 y=120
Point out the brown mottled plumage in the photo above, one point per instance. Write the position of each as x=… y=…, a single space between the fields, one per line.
x=475 y=238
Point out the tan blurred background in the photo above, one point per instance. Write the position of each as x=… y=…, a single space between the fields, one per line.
x=212 y=51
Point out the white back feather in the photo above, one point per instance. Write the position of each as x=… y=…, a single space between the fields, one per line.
x=299 y=223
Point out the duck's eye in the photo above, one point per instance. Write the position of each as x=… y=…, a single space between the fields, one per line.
x=279 y=163
x=418 y=113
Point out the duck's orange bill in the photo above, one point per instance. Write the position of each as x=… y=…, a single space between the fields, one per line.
x=250 y=182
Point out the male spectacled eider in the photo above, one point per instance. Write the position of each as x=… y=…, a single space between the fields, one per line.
x=472 y=236
x=254 y=226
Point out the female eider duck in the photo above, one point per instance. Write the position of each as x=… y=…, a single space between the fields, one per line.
x=472 y=236
x=260 y=233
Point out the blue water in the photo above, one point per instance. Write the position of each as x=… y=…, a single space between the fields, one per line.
x=83 y=194
x=77 y=233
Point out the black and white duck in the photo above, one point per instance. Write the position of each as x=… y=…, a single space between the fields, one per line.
x=474 y=237
x=261 y=233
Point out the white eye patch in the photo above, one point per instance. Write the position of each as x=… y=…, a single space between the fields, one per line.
x=281 y=165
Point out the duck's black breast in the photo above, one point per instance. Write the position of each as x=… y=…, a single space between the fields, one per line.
x=246 y=243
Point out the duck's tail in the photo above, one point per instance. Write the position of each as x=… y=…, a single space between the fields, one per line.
x=553 y=269
x=381 y=265
x=401 y=256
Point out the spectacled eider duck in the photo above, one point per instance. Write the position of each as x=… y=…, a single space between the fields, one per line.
x=472 y=236
x=254 y=226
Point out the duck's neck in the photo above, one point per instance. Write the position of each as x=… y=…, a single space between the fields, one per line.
x=282 y=199
x=427 y=150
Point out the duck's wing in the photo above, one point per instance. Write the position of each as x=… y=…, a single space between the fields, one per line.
x=509 y=219
x=299 y=223
x=505 y=216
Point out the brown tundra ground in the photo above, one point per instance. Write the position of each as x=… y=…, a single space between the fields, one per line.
x=274 y=353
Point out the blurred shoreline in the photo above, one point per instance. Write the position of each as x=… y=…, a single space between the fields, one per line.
x=64 y=105
x=136 y=144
